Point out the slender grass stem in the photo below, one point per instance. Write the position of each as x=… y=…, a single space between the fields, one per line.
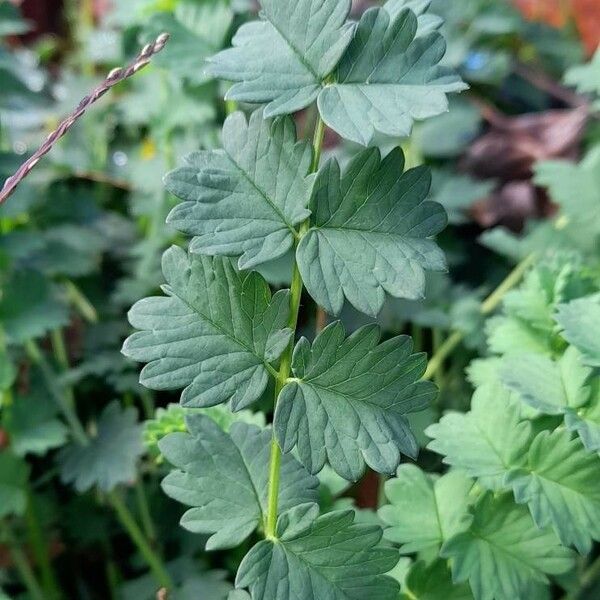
x=57 y=391
x=40 y=550
x=23 y=567
x=144 y=511
x=286 y=359
x=488 y=306
x=83 y=306
x=130 y=525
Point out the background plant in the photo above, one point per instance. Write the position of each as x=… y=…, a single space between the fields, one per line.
x=513 y=66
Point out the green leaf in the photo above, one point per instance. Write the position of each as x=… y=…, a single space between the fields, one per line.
x=14 y=473
x=560 y=485
x=585 y=421
x=32 y=424
x=320 y=557
x=504 y=555
x=426 y=21
x=586 y=78
x=388 y=77
x=485 y=442
x=552 y=387
x=224 y=478
x=574 y=187
x=370 y=233
x=348 y=401
x=197 y=30
x=283 y=59
x=580 y=321
x=111 y=456
x=29 y=307
x=423 y=510
x=248 y=198
x=433 y=582
x=215 y=332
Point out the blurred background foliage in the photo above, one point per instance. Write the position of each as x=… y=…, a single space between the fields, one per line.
x=516 y=164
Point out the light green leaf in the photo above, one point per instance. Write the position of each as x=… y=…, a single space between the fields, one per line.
x=485 y=442
x=348 y=401
x=433 y=582
x=370 y=233
x=560 y=485
x=215 y=332
x=320 y=557
x=283 y=59
x=586 y=78
x=14 y=473
x=224 y=478
x=388 y=77
x=504 y=555
x=576 y=189
x=111 y=456
x=580 y=321
x=248 y=198
x=423 y=510
x=585 y=421
x=549 y=386
x=30 y=307
x=426 y=21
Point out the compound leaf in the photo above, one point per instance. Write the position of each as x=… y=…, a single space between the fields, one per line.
x=320 y=557
x=580 y=321
x=348 y=401
x=370 y=233
x=552 y=387
x=224 y=478
x=214 y=333
x=110 y=458
x=388 y=77
x=283 y=58
x=247 y=198
x=503 y=554
x=424 y=511
x=485 y=442
x=14 y=473
x=560 y=485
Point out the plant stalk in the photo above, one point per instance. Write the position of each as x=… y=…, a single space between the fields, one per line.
x=61 y=397
x=487 y=306
x=24 y=569
x=135 y=533
x=40 y=550
x=286 y=359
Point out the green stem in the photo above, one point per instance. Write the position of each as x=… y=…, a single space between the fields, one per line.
x=81 y=303
x=488 y=306
x=437 y=341
x=56 y=390
x=40 y=550
x=135 y=533
x=286 y=359
x=144 y=511
x=24 y=568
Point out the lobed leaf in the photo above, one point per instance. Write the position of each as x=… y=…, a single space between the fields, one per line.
x=424 y=511
x=370 y=233
x=111 y=456
x=580 y=322
x=559 y=483
x=214 y=334
x=248 y=198
x=388 y=78
x=485 y=442
x=433 y=582
x=14 y=474
x=282 y=59
x=503 y=555
x=348 y=401
x=224 y=478
x=320 y=557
